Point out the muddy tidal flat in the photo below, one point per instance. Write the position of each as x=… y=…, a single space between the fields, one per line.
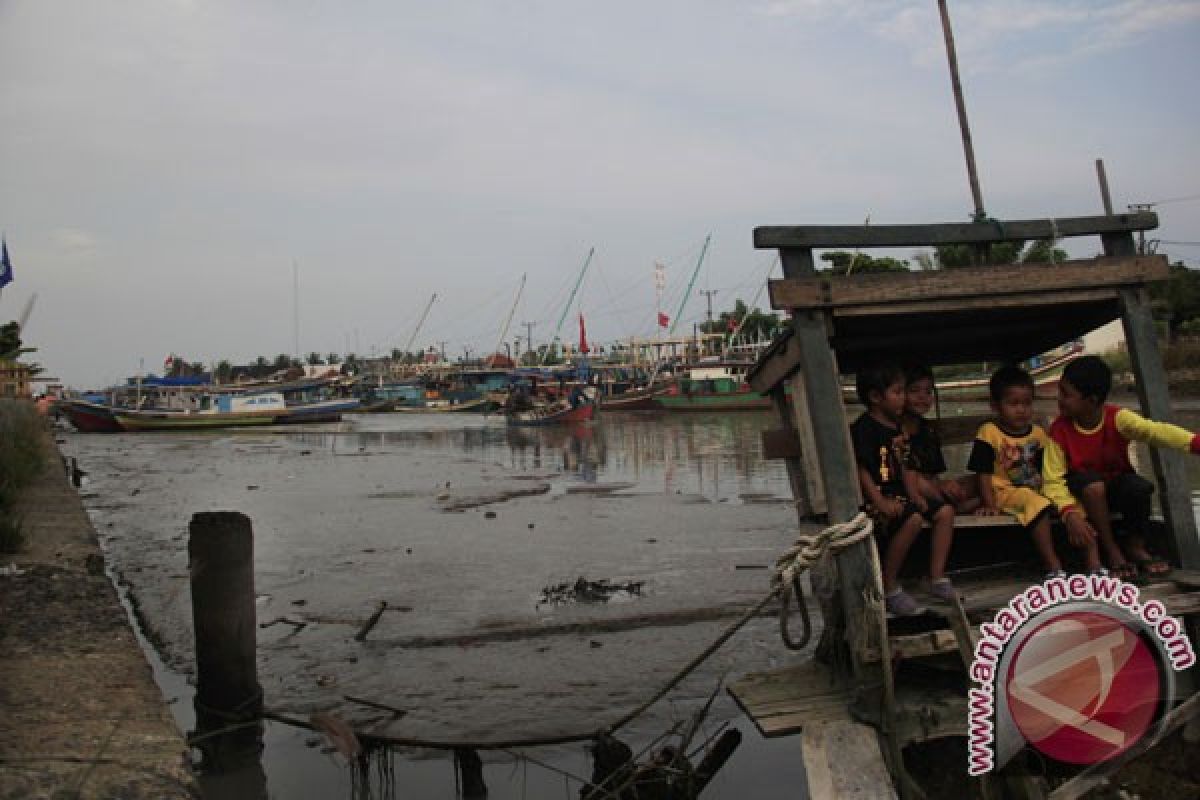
x=461 y=525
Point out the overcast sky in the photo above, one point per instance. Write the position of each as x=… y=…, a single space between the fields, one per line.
x=164 y=164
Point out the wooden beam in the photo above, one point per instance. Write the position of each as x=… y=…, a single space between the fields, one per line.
x=833 y=236
x=1170 y=471
x=1016 y=282
x=775 y=365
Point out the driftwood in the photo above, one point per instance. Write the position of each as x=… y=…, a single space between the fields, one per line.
x=371 y=622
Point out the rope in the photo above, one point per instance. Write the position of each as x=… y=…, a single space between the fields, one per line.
x=785 y=583
x=807 y=550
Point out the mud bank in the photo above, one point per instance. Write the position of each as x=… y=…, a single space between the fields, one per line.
x=459 y=533
x=80 y=713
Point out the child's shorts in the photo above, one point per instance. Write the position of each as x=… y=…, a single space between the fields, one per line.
x=1026 y=504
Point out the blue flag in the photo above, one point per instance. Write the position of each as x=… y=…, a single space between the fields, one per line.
x=5 y=265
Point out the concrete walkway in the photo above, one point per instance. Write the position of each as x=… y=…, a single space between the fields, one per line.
x=80 y=713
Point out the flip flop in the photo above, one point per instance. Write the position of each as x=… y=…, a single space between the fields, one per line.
x=1153 y=567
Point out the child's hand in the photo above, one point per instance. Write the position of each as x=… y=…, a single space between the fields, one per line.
x=890 y=507
x=1080 y=532
x=988 y=511
x=953 y=491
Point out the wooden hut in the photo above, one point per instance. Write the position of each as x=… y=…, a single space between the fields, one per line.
x=856 y=710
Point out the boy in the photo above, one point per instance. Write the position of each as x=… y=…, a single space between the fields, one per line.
x=1087 y=469
x=925 y=461
x=1007 y=456
x=880 y=448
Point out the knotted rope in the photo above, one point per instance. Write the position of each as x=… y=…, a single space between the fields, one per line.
x=807 y=550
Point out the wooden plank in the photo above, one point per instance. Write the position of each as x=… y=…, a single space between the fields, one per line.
x=843 y=760
x=1170 y=471
x=776 y=364
x=830 y=236
x=1011 y=282
x=810 y=465
x=783 y=701
x=1016 y=300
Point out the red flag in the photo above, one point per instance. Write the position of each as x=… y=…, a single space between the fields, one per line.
x=663 y=320
x=583 y=345
x=733 y=324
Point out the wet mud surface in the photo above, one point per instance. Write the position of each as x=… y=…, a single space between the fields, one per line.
x=459 y=526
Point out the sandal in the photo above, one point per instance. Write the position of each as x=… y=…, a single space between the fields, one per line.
x=1153 y=567
x=943 y=590
x=902 y=604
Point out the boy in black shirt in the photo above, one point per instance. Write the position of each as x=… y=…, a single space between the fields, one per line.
x=881 y=449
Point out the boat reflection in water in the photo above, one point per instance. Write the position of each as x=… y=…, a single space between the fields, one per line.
x=718 y=456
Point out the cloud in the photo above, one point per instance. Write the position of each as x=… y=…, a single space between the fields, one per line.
x=74 y=244
x=1001 y=34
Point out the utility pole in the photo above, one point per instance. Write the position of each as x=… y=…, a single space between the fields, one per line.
x=708 y=294
x=529 y=336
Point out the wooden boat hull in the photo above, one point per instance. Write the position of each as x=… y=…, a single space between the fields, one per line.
x=633 y=400
x=322 y=411
x=90 y=417
x=738 y=401
x=551 y=416
x=184 y=421
x=481 y=405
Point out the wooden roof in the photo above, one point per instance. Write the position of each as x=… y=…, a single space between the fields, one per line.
x=1001 y=313
x=987 y=313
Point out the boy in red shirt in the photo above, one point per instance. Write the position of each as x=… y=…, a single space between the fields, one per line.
x=1087 y=469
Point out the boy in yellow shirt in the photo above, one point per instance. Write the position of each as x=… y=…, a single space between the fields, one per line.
x=1007 y=456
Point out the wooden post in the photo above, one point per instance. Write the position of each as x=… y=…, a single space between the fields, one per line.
x=470 y=770
x=221 y=564
x=822 y=393
x=1170 y=472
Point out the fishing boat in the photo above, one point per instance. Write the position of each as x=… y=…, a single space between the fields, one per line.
x=885 y=692
x=330 y=410
x=713 y=387
x=637 y=399
x=551 y=415
x=89 y=417
x=218 y=411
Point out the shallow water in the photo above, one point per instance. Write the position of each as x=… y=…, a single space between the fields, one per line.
x=351 y=514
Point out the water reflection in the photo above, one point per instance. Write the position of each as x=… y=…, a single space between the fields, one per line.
x=716 y=455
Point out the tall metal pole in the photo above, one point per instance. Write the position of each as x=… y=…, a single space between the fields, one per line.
x=687 y=292
x=296 y=308
x=964 y=127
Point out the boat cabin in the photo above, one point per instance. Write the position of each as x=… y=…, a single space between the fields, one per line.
x=879 y=686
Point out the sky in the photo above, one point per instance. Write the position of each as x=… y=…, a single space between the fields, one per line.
x=171 y=170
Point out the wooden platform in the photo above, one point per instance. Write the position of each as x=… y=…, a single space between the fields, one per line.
x=784 y=701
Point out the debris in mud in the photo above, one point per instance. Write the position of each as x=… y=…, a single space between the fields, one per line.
x=463 y=499
x=584 y=591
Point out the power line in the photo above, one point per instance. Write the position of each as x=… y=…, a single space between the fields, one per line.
x=1180 y=244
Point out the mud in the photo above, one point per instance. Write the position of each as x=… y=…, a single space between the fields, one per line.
x=349 y=516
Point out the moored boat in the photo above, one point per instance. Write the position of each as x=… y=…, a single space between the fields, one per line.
x=551 y=414
x=88 y=417
x=713 y=387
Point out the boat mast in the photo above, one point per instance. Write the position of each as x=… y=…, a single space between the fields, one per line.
x=296 y=309
x=691 y=283
x=420 y=323
x=570 y=300
x=961 y=106
x=511 y=311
